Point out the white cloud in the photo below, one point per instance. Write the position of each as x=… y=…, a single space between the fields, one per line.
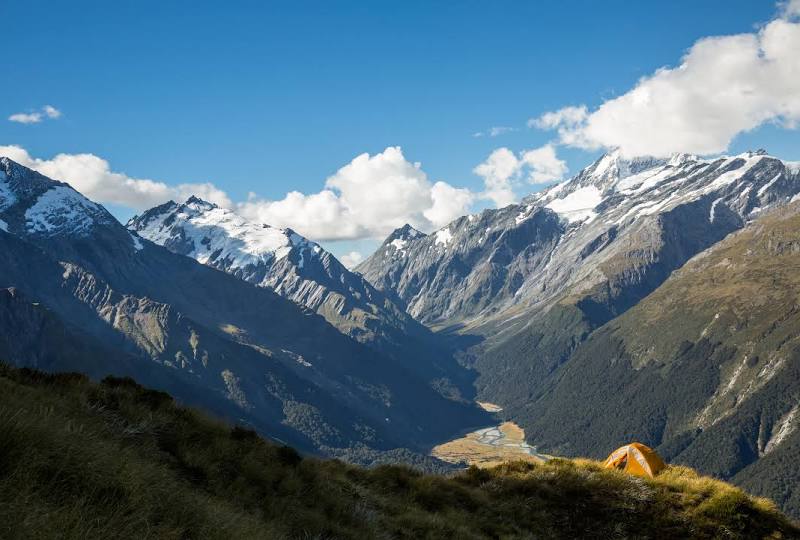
x=320 y=216
x=35 y=117
x=498 y=172
x=367 y=198
x=544 y=164
x=351 y=260
x=724 y=86
x=495 y=131
x=51 y=111
x=568 y=116
x=448 y=203
x=26 y=118
x=502 y=170
x=92 y=176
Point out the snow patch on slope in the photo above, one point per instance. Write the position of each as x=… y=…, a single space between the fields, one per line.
x=578 y=205
x=399 y=243
x=763 y=189
x=523 y=214
x=712 y=212
x=444 y=236
x=61 y=209
x=649 y=179
x=731 y=176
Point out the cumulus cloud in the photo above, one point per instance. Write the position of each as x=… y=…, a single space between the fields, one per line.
x=723 y=86
x=503 y=170
x=499 y=172
x=35 y=117
x=544 y=166
x=367 y=198
x=448 y=203
x=92 y=176
x=351 y=260
x=320 y=216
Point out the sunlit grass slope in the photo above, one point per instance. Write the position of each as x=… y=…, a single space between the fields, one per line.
x=114 y=460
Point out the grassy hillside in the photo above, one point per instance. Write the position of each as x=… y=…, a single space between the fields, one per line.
x=114 y=460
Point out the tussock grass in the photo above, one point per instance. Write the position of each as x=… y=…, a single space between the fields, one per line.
x=115 y=460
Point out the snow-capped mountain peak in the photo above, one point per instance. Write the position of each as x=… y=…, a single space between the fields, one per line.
x=561 y=237
x=279 y=259
x=218 y=236
x=34 y=204
x=404 y=233
x=678 y=159
x=196 y=203
x=613 y=183
x=613 y=167
x=397 y=242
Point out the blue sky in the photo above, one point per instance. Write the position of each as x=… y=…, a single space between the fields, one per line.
x=273 y=97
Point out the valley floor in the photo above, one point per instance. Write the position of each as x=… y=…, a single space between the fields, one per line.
x=489 y=446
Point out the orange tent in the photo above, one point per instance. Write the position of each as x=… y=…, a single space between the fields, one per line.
x=635 y=458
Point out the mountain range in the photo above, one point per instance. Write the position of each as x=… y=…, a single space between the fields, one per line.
x=302 y=271
x=113 y=302
x=559 y=287
x=650 y=299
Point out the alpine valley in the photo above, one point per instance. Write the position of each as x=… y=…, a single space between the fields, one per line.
x=647 y=299
x=644 y=298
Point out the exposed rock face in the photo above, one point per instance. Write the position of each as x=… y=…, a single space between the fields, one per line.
x=611 y=233
x=476 y=262
x=535 y=279
x=207 y=337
